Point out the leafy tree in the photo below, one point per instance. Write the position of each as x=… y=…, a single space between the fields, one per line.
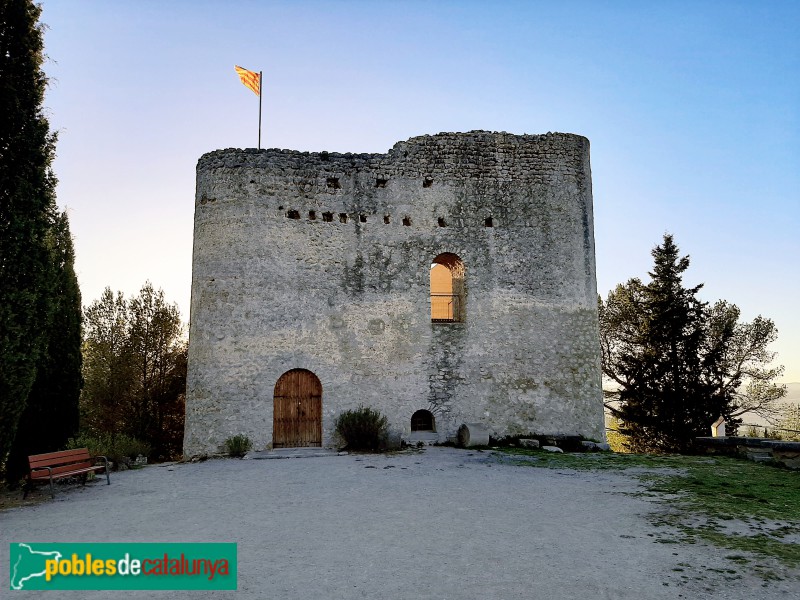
x=789 y=422
x=27 y=211
x=675 y=364
x=107 y=365
x=747 y=374
x=160 y=365
x=51 y=414
x=135 y=369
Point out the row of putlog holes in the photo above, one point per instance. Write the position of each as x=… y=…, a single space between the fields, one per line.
x=327 y=217
x=333 y=183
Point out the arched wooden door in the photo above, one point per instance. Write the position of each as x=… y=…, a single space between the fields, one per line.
x=297 y=410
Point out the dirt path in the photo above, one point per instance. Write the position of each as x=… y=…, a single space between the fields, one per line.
x=443 y=523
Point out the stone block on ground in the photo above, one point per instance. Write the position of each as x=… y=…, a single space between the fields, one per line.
x=473 y=434
x=529 y=443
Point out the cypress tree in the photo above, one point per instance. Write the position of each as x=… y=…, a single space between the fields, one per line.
x=51 y=415
x=27 y=210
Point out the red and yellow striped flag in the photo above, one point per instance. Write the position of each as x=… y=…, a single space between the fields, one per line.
x=249 y=79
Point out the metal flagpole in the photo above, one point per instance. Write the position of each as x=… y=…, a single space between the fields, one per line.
x=259 y=108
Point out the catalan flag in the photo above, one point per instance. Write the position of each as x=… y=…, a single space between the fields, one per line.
x=250 y=79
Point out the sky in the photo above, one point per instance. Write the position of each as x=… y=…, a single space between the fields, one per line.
x=692 y=109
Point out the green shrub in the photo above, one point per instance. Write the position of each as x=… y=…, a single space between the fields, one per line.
x=119 y=448
x=238 y=445
x=362 y=429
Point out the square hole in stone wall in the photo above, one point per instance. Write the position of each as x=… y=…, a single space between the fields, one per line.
x=381 y=183
x=386 y=219
x=362 y=218
x=407 y=221
x=441 y=222
x=333 y=183
x=312 y=215
x=342 y=217
x=427 y=182
x=327 y=217
x=488 y=222
x=293 y=214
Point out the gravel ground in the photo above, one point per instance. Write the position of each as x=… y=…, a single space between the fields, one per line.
x=440 y=523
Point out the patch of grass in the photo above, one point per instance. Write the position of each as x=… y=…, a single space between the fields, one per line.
x=738 y=558
x=595 y=461
x=728 y=488
x=238 y=445
x=760 y=544
x=708 y=495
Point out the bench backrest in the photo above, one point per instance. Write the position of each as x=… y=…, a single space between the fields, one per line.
x=63 y=461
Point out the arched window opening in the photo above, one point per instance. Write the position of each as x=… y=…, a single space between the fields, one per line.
x=447 y=289
x=422 y=420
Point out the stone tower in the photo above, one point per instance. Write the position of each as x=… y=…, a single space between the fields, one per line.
x=449 y=280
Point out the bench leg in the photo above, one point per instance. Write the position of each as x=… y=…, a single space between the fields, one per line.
x=52 y=489
x=26 y=487
x=108 y=479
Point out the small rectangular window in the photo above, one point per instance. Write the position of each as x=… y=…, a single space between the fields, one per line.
x=327 y=217
x=441 y=222
x=381 y=183
x=342 y=217
x=385 y=219
x=488 y=222
x=333 y=183
x=293 y=214
x=407 y=221
x=312 y=215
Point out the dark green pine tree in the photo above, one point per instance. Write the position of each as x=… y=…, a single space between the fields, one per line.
x=27 y=210
x=51 y=415
x=657 y=350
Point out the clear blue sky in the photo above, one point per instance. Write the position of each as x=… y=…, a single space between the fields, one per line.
x=692 y=109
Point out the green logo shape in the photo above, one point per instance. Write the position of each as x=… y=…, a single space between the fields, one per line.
x=120 y=566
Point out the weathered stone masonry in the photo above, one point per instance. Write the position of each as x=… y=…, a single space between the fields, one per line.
x=321 y=261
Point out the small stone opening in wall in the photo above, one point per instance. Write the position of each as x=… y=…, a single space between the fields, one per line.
x=312 y=215
x=333 y=183
x=327 y=217
x=427 y=182
x=381 y=183
x=252 y=181
x=362 y=218
x=441 y=222
x=423 y=420
x=293 y=214
x=342 y=217
x=385 y=219
x=487 y=222
x=407 y=221
x=280 y=208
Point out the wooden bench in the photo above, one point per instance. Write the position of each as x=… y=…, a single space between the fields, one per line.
x=67 y=463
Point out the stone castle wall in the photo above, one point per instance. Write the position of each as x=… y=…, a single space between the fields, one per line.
x=321 y=261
